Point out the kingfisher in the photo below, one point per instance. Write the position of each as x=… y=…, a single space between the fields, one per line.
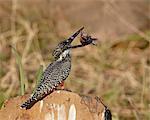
x=56 y=72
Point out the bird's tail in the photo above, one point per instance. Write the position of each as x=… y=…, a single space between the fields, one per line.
x=29 y=103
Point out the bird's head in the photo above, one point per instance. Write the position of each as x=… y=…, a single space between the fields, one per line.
x=63 y=48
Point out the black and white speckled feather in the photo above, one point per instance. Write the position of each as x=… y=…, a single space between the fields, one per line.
x=55 y=73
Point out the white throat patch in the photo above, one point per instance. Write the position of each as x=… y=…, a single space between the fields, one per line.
x=63 y=55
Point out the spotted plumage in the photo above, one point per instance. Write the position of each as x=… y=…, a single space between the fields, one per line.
x=55 y=73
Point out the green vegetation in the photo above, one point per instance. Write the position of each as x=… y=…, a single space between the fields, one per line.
x=39 y=75
x=21 y=72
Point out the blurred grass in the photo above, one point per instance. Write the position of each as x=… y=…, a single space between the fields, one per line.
x=21 y=71
x=2 y=99
x=117 y=70
x=39 y=76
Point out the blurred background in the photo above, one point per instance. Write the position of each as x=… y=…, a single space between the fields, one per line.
x=117 y=70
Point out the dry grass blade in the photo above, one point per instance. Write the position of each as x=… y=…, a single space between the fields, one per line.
x=39 y=75
x=21 y=71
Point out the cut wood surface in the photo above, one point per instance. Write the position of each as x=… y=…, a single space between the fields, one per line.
x=60 y=105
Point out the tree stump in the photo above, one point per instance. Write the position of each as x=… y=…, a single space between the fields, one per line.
x=59 y=105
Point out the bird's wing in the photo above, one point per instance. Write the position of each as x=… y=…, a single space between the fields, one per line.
x=53 y=75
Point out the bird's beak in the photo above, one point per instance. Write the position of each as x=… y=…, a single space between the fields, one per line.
x=70 y=39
